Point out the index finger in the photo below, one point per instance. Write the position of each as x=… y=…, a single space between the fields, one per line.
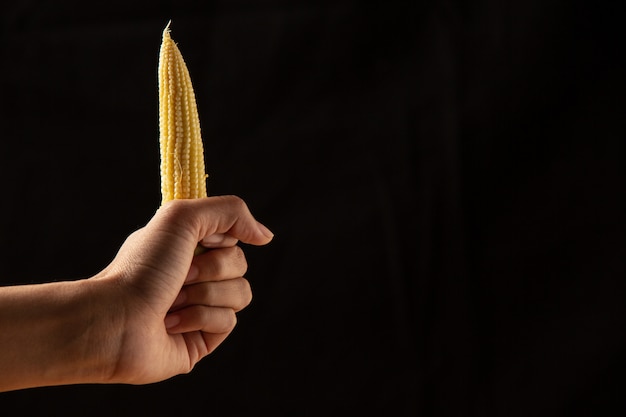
x=218 y=240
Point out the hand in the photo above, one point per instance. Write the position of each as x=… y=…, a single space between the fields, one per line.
x=153 y=313
x=176 y=308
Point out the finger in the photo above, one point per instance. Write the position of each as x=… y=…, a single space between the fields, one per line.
x=202 y=318
x=233 y=293
x=218 y=240
x=213 y=340
x=203 y=217
x=217 y=265
x=202 y=343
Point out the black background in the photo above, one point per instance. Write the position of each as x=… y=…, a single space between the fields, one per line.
x=445 y=180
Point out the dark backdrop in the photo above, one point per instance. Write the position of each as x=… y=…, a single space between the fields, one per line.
x=445 y=180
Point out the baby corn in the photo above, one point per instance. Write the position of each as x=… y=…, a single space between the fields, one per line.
x=182 y=153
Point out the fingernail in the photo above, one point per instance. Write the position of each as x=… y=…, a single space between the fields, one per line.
x=193 y=273
x=171 y=320
x=265 y=231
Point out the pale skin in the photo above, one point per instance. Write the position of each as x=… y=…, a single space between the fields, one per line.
x=151 y=314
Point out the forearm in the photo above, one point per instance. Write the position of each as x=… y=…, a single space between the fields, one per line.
x=54 y=334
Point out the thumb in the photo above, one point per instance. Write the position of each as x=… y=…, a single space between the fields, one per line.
x=228 y=215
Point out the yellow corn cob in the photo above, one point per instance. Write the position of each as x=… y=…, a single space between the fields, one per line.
x=182 y=153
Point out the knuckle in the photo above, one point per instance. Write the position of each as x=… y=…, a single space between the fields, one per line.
x=228 y=320
x=245 y=293
x=237 y=201
x=240 y=259
x=232 y=201
x=239 y=205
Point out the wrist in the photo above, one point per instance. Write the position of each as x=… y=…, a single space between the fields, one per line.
x=93 y=330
